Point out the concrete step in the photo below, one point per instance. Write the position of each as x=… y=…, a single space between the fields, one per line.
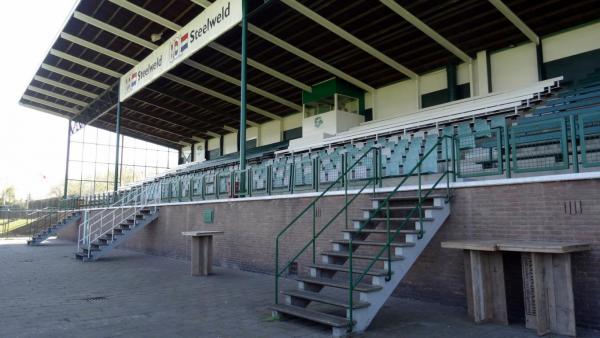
x=82 y=256
x=318 y=297
x=360 y=256
x=395 y=219
x=402 y=208
x=408 y=198
x=341 y=268
x=370 y=243
x=312 y=315
x=381 y=231
x=338 y=284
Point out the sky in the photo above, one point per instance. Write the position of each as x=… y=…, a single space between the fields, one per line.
x=32 y=144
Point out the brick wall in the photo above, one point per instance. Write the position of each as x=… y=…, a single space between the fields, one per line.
x=527 y=211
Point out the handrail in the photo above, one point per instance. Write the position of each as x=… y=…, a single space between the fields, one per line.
x=385 y=203
x=94 y=227
x=343 y=178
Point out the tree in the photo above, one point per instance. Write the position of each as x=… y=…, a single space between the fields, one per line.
x=56 y=191
x=8 y=195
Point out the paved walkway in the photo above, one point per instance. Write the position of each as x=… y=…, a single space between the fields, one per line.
x=45 y=292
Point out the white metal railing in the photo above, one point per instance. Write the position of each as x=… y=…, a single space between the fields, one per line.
x=104 y=221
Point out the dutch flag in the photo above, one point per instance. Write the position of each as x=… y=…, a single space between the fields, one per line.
x=133 y=81
x=184 y=42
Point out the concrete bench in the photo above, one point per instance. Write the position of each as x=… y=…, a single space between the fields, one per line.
x=547 y=282
x=202 y=251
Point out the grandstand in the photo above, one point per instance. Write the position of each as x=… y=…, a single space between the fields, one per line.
x=377 y=129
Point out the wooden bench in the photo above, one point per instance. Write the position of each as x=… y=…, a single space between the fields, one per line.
x=202 y=251
x=547 y=282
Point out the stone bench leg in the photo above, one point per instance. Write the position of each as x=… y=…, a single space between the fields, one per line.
x=201 y=255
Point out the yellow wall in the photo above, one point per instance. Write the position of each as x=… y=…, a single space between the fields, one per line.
x=292 y=121
x=568 y=43
x=510 y=68
x=229 y=143
x=214 y=143
x=270 y=132
x=395 y=100
x=514 y=67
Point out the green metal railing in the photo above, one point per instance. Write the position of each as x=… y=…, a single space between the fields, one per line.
x=343 y=179
x=449 y=168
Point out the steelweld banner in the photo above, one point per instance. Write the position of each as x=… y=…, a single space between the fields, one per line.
x=215 y=20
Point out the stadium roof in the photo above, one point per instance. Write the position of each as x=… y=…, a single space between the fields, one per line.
x=292 y=45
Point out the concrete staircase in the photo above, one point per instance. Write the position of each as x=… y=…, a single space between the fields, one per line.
x=101 y=244
x=323 y=296
x=43 y=235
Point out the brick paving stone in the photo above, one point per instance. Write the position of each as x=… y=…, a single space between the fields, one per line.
x=45 y=292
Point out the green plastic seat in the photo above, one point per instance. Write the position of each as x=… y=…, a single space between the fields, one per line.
x=447 y=142
x=430 y=163
x=412 y=155
x=482 y=128
x=466 y=139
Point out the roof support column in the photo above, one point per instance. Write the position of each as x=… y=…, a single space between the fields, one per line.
x=118 y=141
x=451 y=81
x=243 y=86
x=68 y=158
x=540 y=61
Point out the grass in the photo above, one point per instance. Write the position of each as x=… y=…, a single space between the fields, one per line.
x=13 y=225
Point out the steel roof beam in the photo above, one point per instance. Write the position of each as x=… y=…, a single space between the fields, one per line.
x=137 y=111
x=230 y=129
x=260 y=66
x=218 y=95
x=100 y=106
x=423 y=27
x=97 y=48
x=142 y=135
x=154 y=126
x=512 y=17
x=253 y=63
x=314 y=16
x=213 y=134
x=74 y=76
x=203 y=3
x=111 y=29
x=237 y=82
x=57 y=96
x=85 y=63
x=304 y=55
x=151 y=46
x=45 y=110
x=64 y=86
x=50 y=104
x=176 y=112
x=115 y=55
x=175 y=27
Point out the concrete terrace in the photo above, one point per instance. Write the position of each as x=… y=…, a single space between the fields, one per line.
x=45 y=292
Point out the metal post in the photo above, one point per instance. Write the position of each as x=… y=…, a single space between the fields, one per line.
x=451 y=81
x=118 y=132
x=243 y=85
x=67 y=163
x=573 y=144
x=314 y=232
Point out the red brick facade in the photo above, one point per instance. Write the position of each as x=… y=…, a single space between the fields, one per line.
x=568 y=210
